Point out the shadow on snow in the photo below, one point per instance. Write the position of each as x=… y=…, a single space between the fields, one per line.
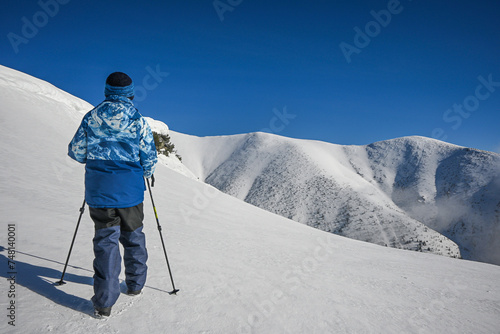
x=36 y=278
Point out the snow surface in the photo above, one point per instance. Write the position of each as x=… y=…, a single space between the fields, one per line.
x=157 y=126
x=239 y=269
x=412 y=193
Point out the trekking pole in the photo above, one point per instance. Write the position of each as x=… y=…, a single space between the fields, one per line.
x=174 y=291
x=82 y=209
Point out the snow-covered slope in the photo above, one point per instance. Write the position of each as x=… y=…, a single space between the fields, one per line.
x=398 y=193
x=240 y=269
x=454 y=190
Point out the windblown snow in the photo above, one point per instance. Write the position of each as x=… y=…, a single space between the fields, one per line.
x=240 y=269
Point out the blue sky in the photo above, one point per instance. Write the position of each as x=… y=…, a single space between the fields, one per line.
x=346 y=72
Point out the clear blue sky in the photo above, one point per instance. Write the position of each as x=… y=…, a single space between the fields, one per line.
x=401 y=77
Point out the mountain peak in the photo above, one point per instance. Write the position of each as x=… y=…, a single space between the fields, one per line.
x=399 y=192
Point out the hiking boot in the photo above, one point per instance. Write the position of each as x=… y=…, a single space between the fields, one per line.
x=134 y=293
x=100 y=312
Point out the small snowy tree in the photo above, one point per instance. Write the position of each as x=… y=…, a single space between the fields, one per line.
x=164 y=145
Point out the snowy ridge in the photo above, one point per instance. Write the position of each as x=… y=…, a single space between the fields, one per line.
x=240 y=269
x=157 y=126
x=21 y=83
x=412 y=193
x=454 y=190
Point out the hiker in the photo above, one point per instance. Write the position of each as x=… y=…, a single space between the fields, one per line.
x=117 y=147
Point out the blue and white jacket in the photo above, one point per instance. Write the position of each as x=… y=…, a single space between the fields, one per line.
x=117 y=146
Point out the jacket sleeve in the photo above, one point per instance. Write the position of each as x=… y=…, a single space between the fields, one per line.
x=77 y=148
x=147 y=149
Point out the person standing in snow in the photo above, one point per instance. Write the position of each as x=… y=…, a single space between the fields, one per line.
x=117 y=147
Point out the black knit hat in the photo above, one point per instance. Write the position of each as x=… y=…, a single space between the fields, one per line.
x=120 y=84
x=118 y=79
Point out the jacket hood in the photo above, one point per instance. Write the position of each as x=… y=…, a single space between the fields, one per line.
x=113 y=115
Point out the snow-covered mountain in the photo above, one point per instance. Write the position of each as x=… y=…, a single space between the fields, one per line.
x=412 y=193
x=239 y=269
